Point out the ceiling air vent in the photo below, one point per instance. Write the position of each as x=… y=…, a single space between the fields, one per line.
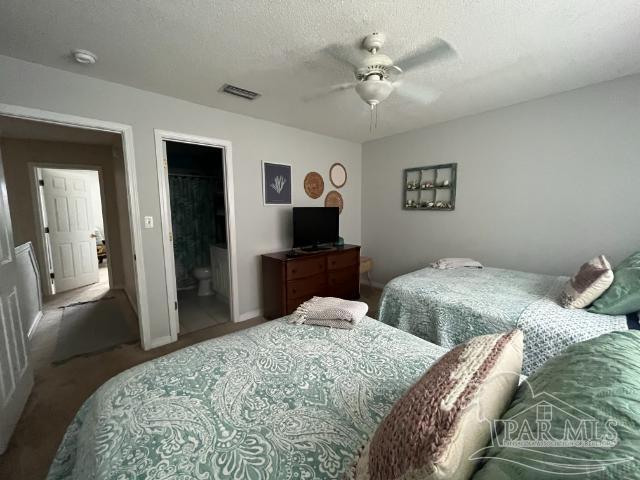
x=239 y=92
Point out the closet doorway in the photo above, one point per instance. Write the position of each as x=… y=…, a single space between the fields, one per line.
x=198 y=241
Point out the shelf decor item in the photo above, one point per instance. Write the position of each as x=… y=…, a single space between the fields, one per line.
x=334 y=199
x=430 y=188
x=276 y=183
x=338 y=175
x=313 y=184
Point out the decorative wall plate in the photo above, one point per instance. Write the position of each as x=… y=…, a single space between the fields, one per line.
x=338 y=175
x=313 y=184
x=334 y=199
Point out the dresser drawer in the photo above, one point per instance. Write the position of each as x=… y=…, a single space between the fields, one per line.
x=305 y=268
x=349 y=275
x=339 y=260
x=307 y=287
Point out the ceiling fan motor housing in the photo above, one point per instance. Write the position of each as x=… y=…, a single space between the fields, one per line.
x=377 y=64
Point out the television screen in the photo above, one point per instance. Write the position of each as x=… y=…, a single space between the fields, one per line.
x=313 y=226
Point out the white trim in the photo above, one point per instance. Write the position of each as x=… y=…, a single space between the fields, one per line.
x=30 y=249
x=162 y=136
x=250 y=315
x=378 y=284
x=264 y=185
x=34 y=325
x=159 y=342
x=126 y=133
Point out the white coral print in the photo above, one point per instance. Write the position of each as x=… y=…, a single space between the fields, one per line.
x=278 y=183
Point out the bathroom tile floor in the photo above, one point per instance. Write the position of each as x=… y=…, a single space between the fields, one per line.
x=197 y=312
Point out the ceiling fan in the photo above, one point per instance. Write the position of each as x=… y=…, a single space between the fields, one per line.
x=376 y=73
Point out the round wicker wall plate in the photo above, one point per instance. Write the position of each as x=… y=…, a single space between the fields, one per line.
x=338 y=175
x=334 y=199
x=313 y=184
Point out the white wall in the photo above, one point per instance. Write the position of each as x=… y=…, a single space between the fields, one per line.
x=542 y=186
x=259 y=229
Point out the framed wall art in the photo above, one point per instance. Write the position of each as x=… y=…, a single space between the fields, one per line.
x=276 y=183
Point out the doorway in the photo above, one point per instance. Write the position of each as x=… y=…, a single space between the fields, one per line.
x=198 y=227
x=70 y=207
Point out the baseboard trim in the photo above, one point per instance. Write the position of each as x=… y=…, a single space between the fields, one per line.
x=34 y=325
x=250 y=315
x=159 y=342
x=378 y=284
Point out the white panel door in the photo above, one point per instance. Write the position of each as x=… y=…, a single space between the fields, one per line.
x=16 y=376
x=67 y=199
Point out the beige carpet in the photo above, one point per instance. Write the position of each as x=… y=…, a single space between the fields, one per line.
x=60 y=390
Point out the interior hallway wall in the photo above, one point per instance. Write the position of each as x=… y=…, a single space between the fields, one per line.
x=18 y=153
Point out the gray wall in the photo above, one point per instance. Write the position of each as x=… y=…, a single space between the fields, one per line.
x=259 y=229
x=542 y=186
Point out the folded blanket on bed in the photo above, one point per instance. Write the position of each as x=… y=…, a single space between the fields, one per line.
x=446 y=263
x=330 y=312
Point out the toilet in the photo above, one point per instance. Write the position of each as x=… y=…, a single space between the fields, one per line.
x=203 y=275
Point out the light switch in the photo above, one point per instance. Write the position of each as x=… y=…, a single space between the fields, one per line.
x=148 y=222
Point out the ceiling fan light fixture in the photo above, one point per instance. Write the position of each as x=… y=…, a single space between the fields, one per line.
x=374 y=90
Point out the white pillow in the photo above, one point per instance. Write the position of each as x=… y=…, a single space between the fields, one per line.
x=591 y=281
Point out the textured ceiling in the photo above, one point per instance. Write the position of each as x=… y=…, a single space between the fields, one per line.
x=31 y=130
x=509 y=51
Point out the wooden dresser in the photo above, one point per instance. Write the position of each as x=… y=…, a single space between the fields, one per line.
x=289 y=281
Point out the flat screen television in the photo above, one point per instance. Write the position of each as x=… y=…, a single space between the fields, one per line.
x=315 y=226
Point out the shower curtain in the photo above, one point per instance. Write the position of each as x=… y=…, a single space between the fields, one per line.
x=192 y=218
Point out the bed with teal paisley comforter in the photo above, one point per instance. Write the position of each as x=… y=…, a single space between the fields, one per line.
x=448 y=307
x=276 y=401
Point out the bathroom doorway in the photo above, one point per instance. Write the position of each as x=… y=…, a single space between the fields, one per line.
x=197 y=208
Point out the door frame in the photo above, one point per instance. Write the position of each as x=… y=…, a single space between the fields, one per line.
x=165 y=208
x=38 y=211
x=126 y=134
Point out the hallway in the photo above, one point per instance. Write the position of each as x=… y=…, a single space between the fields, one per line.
x=83 y=321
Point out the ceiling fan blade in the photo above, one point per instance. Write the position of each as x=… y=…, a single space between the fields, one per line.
x=328 y=91
x=415 y=93
x=344 y=54
x=435 y=50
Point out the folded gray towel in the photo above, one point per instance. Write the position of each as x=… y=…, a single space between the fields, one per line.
x=330 y=312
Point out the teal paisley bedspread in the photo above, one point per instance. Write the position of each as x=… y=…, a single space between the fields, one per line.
x=447 y=307
x=276 y=401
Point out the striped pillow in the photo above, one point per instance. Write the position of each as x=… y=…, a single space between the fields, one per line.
x=591 y=281
x=444 y=418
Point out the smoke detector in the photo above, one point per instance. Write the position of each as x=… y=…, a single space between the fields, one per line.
x=84 y=56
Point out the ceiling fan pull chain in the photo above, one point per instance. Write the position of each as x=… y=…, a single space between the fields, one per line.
x=371 y=119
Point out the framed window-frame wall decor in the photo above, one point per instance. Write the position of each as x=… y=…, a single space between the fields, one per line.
x=430 y=188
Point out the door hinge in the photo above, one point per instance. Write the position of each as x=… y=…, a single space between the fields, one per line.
x=46 y=229
x=41 y=183
x=175 y=305
x=134 y=257
x=171 y=236
x=166 y=165
x=52 y=275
